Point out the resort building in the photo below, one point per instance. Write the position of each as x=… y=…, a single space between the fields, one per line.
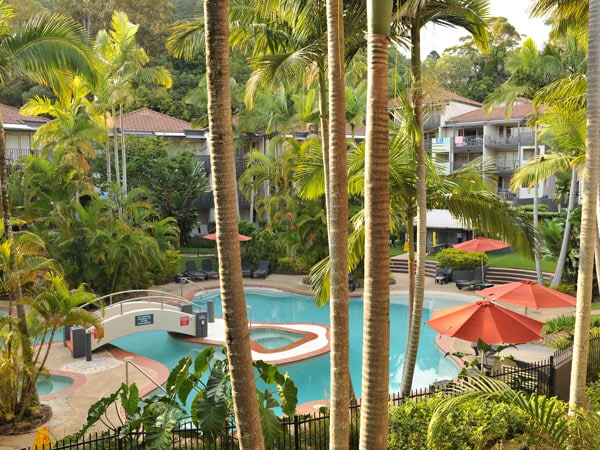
x=19 y=130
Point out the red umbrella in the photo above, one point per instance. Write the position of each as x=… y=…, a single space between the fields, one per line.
x=213 y=237
x=486 y=321
x=528 y=293
x=481 y=244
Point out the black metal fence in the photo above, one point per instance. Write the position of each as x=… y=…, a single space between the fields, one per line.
x=311 y=431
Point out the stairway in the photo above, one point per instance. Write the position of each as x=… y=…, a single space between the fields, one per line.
x=496 y=275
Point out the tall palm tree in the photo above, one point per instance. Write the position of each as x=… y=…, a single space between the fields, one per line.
x=121 y=63
x=338 y=231
x=589 y=217
x=41 y=49
x=237 y=335
x=410 y=17
x=376 y=321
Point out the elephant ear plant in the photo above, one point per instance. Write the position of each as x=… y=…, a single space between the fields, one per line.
x=198 y=391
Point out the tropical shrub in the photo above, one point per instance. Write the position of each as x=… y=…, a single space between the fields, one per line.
x=560 y=323
x=476 y=425
x=198 y=391
x=459 y=259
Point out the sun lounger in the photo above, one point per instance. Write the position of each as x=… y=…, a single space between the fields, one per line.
x=477 y=283
x=192 y=272
x=246 y=267
x=208 y=269
x=263 y=269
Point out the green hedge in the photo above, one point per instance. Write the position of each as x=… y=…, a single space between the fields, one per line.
x=459 y=259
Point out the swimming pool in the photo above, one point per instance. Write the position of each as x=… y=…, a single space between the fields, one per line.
x=312 y=375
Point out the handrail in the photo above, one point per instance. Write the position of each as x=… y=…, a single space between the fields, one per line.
x=128 y=362
x=248 y=307
x=187 y=280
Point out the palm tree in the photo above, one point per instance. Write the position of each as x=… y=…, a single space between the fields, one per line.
x=411 y=17
x=376 y=321
x=121 y=63
x=40 y=49
x=338 y=231
x=237 y=335
x=589 y=215
x=73 y=129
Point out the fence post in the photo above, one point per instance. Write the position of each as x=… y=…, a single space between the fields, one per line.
x=552 y=379
x=296 y=432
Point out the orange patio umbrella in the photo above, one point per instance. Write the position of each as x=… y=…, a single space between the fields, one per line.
x=486 y=321
x=481 y=244
x=213 y=237
x=529 y=294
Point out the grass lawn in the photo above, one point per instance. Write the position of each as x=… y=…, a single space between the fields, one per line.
x=518 y=261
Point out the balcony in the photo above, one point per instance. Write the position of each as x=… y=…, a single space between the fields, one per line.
x=511 y=140
x=467 y=142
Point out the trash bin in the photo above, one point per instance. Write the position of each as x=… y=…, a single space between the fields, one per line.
x=201 y=324
x=79 y=341
x=210 y=309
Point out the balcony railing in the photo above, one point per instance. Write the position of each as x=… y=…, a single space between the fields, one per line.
x=511 y=140
x=465 y=142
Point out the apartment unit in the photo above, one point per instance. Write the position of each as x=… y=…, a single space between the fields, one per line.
x=19 y=130
x=506 y=140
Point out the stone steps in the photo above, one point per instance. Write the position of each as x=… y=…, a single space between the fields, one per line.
x=496 y=275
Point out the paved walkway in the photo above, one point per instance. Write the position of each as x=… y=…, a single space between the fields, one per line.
x=108 y=368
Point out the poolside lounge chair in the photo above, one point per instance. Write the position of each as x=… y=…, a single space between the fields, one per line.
x=263 y=269
x=478 y=282
x=246 y=267
x=192 y=272
x=443 y=275
x=208 y=269
x=351 y=283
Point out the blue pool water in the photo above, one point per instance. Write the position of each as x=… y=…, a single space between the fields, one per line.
x=54 y=384
x=312 y=375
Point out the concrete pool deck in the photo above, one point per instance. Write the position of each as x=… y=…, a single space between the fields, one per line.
x=107 y=370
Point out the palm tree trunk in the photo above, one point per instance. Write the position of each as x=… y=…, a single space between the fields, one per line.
x=564 y=249
x=536 y=218
x=339 y=426
x=376 y=321
x=589 y=226
x=237 y=335
x=123 y=154
x=412 y=343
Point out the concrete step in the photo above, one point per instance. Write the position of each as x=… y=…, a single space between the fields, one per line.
x=496 y=275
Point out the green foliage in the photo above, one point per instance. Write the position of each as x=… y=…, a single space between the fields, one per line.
x=460 y=260
x=203 y=386
x=290 y=265
x=560 y=323
x=476 y=425
x=566 y=288
x=592 y=394
x=169 y=268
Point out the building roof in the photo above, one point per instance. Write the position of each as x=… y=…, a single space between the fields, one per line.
x=441 y=95
x=145 y=120
x=521 y=110
x=13 y=119
x=443 y=219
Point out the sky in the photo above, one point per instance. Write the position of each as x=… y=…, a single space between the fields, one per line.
x=516 y=11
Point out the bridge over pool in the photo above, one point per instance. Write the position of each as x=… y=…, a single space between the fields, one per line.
x=147 y=310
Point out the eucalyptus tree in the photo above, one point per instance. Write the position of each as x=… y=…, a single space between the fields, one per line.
x=42 y=49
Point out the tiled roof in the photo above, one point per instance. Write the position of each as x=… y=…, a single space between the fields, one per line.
x=12 y=115
x=441 y=95
x=521 y=110
x=147 y=120
x=437 y=95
